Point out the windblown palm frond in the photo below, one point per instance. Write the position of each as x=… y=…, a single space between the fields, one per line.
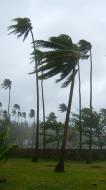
x=62 y=107
x=61 y=42
x=6 y=84
x=21 y=28
x=60 y=59
x=32 y=113
x=24 y=114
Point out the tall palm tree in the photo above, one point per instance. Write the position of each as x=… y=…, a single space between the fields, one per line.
x=62 y=59
x=22 y=28
x=86 y=47
x=24 y=116
x=32 y=115
x=43 y=104
x=16 y=108
x=80 y=126
x=7 y=85
x=19 y=115
x=39 y=58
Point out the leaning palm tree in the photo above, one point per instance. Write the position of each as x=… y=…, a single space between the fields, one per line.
x=62 y=59
x=22 y=28
x=7 y=85
x=32 y=115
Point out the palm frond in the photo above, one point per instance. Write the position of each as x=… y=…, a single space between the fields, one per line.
x=21 y=28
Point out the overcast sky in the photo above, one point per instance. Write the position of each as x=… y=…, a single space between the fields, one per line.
x=81 y=19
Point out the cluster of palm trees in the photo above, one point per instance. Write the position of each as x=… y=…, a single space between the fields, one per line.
x=62 y=58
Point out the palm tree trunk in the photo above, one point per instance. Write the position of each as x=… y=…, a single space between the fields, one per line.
x=33 y=133
x=9 y=105
x=90 y=133
x=37 y=120
x=80 y=127
x=44 y=131
x=60 y=166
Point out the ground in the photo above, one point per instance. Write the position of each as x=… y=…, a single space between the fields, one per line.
x=22 y=174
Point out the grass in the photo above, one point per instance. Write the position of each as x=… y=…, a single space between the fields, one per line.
x=22 y=174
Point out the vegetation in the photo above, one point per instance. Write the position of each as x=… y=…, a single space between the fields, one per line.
x=81 y=136
x=23 y=174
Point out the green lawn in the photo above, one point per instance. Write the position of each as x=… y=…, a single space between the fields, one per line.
x=22 y=174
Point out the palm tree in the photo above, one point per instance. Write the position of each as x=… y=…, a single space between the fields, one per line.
x=39 y=58
x=43 y=104
x=79 y=78
x=22 y=28
x=32 y=115
x=62 y=107
x=16 y=107
x=7 y=85
x=18 y=126
x=86 y=47
x=24 y=116
x=14 y=114
x=62 y=59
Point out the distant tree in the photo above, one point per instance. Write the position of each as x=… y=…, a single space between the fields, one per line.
x=14 y=114
x=7 y=85
x=32 y=115
x=0 y=109
x=62 y=107
x=4 y=115
x=16 y=109
x=24 y=116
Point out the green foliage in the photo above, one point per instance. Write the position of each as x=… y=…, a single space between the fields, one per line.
x=6 y=84
x=5 y=146
x=60 y=59
x=62 y=108
x=32 y=113
x=21 y=28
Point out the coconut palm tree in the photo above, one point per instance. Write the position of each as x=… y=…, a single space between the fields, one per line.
x=39 y=58
x=62 y=59
x=86 y=47
x=23 y=27
x=24 y=116
x=7 y=85
x=32 y=115
x=16 y=108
